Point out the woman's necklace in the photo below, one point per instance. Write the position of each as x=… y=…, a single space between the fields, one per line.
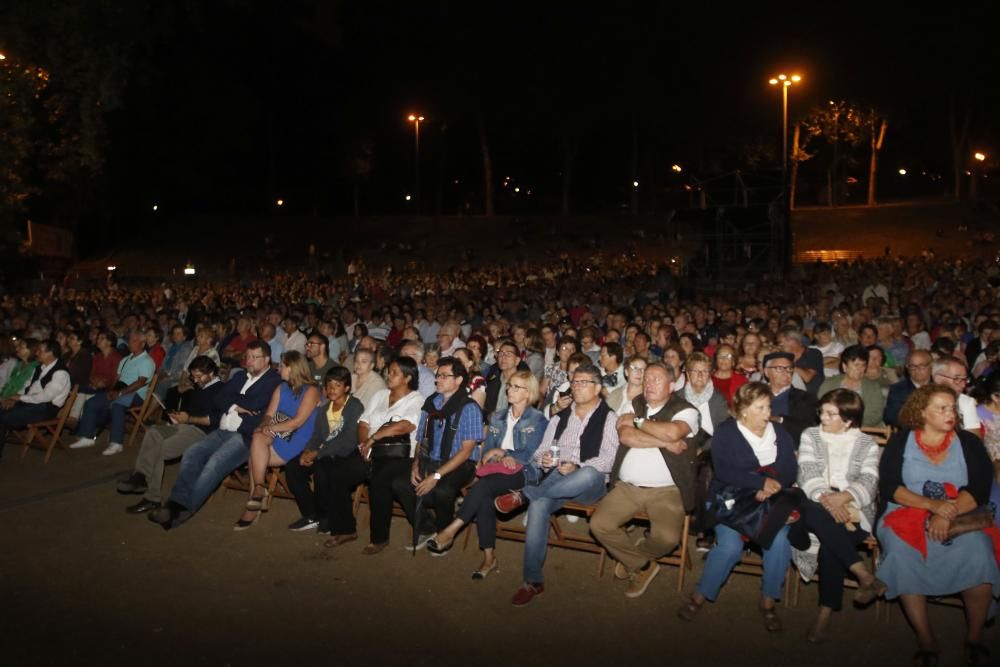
x=933 y=451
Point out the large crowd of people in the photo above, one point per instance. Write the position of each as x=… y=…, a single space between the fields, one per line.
x=468 y=394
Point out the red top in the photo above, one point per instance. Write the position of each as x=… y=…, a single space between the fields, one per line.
x=728 y=386
x=105 y=369
x=157 y=353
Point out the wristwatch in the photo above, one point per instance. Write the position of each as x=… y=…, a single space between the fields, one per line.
x=437 y=476
x=638 y=422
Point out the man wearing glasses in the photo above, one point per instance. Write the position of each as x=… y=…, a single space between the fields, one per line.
x=318 y=354
x=451 y=425
x=586 y=434
x=918 y=373
x=793 y=408
x=236 y=412
x=508 y=362
x=951 y=372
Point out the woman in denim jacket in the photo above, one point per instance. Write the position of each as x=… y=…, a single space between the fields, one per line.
x=511 y=440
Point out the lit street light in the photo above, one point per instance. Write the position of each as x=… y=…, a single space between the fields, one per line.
x=785 y=82
x=980 y=156
x=902 y=172
x=677 y=168
x=280 y=202
x=416 y=119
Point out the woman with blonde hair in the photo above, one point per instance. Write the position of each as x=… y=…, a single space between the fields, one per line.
x=511 y=440
x=283 y=433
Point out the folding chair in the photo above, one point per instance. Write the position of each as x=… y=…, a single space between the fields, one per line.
x=681 y=556
x=50 y=430
x=140 y=412
x=880 y=434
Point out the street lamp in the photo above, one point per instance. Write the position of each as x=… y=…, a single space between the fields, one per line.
x=785 y=82
x=416 y=119
x=980 y=156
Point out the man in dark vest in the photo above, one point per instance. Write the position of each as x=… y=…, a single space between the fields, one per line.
x=451 y=425
x=654 y=473
x=508 y=363
x=46 y=393
x=586 y=435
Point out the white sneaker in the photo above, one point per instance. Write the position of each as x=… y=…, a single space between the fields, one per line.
x=113 y=448
x=83 y=442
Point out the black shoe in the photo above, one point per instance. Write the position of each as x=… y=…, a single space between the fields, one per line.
x=136 y=483
x=302 y=525
x=142 y=506
x=161 y=515
x=324 y=527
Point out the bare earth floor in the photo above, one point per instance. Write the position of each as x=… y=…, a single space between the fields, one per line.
x=85 y=584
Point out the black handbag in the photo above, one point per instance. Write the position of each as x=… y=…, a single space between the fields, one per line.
x=395 y=447
x=739 y=509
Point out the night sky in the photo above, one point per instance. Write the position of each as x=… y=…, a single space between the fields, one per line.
x=228 y=106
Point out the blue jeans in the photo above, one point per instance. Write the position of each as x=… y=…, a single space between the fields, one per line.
x=205 y=465
x=727 y=553
x=98 y=409
x=585 y=485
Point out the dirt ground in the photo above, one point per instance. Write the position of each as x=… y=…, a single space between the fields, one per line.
x=85 y=584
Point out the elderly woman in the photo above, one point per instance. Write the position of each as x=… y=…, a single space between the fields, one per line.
x=511 y=441
x=932 y=473
x=753 y=459
x=838 y=472
x=725 y=378
x=387 y=436
x=332 y=458
x=366 y=381
x=853 y=368
x=620 y=399
x=283 y=433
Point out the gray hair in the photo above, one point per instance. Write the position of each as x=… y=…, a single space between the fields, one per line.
x=416 y=349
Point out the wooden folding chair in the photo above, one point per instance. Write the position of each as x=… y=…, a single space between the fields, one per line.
x=879 y=434
x=140 y=412
x=871 y=546
x=681 y=556
x=49 y=431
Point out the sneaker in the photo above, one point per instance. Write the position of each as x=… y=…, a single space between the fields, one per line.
x=112 y=449
x=704 y=544
x=135 y=483
x=422 y=541
x=83 y=442
x=302 y=524
x=526 y=593
x=509 y=502
x=639 y=581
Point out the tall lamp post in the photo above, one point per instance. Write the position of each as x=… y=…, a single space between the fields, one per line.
x=785 y=82
x=416 y=119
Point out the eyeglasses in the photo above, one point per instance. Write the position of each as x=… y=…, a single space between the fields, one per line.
x=583 y=383
x=505 y=353
x=724 y=356
x=958 y=379
x=637 y=368
x=918 y=366
x=943 y=410
x=312 y=343
x=443 y=375
x=780 y=369
x=519 y=387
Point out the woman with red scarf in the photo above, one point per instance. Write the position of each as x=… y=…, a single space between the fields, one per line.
x=929 y=476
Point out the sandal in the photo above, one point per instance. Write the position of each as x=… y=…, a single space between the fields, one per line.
x=771 y=621
x=259 y=504
x=925 y=659
x=689 y=610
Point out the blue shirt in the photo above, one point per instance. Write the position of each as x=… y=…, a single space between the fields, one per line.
x=470 y=427
x=133 y=367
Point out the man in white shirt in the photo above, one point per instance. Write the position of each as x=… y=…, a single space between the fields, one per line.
x=295 y=339
x=951 y=372
x=653 y=473
x=45 y=395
